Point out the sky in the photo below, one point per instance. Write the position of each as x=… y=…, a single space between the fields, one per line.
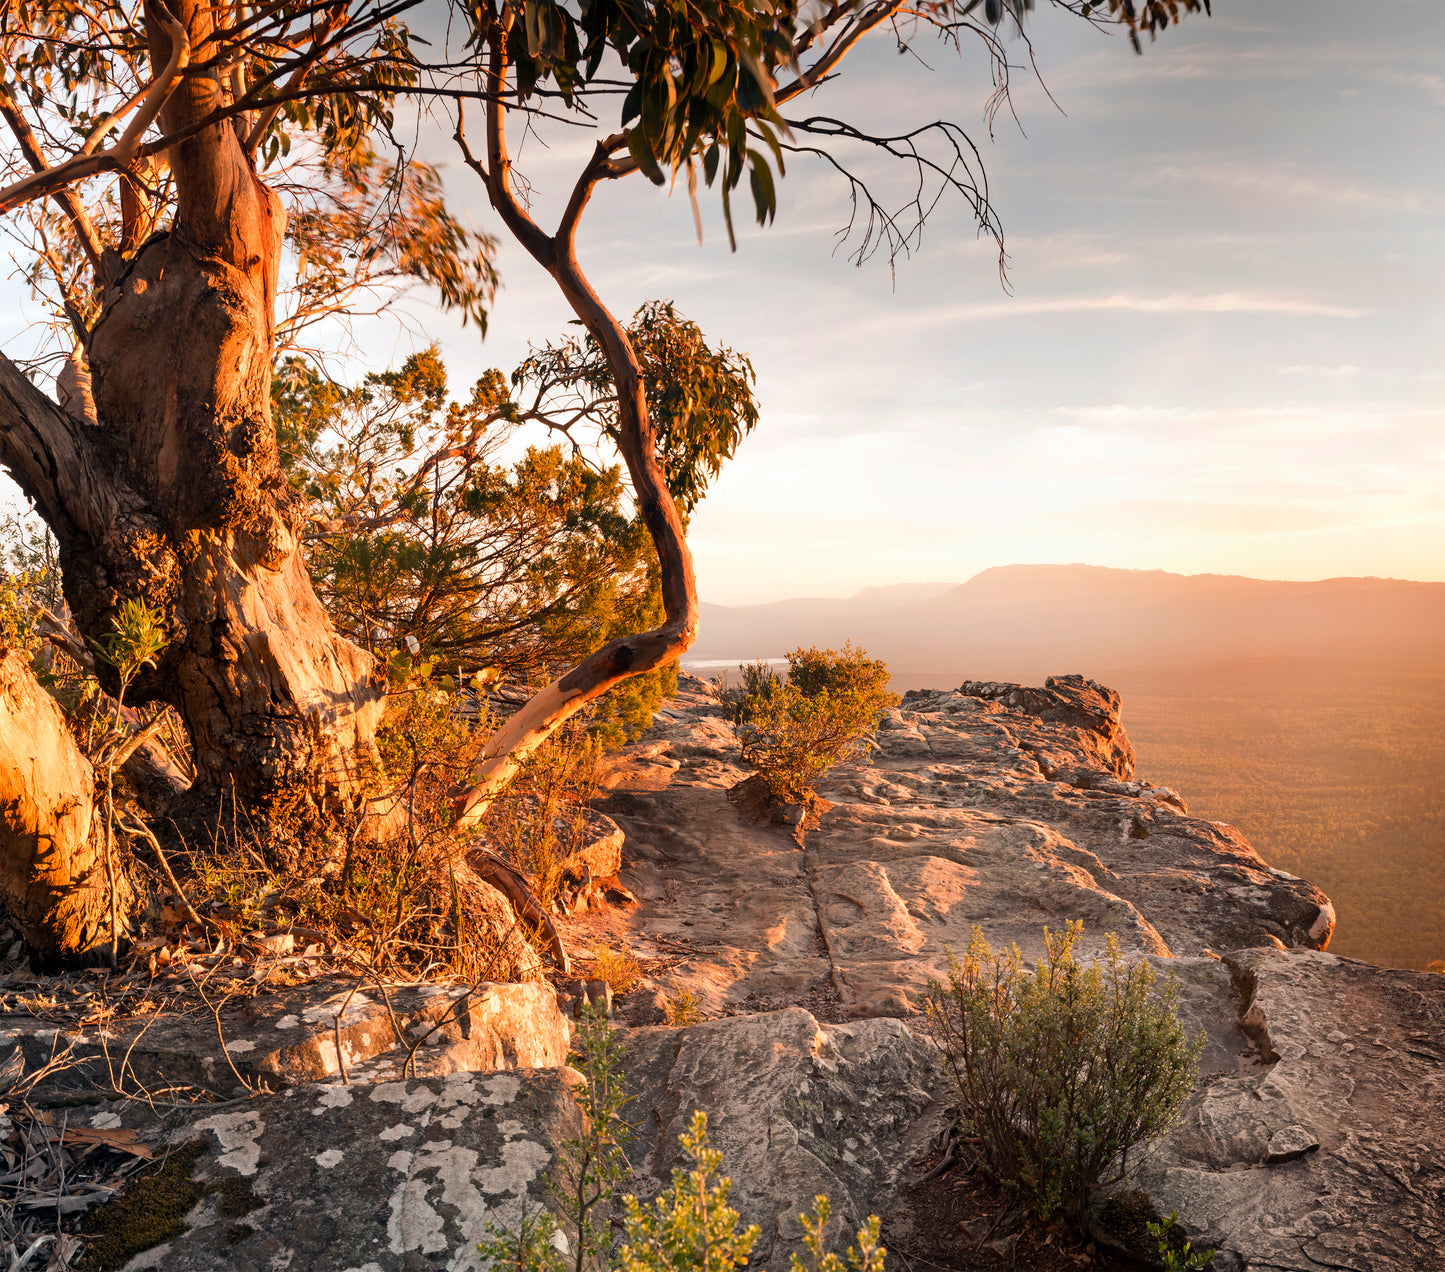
x=1218 y=351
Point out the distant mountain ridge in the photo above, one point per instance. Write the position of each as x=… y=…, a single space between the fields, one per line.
x=1024 y=621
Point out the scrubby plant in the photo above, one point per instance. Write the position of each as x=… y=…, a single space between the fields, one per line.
x=682 y=1008
x=1063 y=1070
x=688 y=1227
x=794 y=732
x=618 y=966
x=755 y=680
x=1177 y=1254
x=866 y=1256
x=545 y=815
x=591 y=1165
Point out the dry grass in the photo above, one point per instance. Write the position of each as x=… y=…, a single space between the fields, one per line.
x=542 y=818
x=617 y=966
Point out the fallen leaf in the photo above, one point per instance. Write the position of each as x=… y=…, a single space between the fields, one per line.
x=121 y=1138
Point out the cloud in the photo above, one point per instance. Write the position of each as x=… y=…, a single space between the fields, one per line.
x=1227 y=302
x=1316 y=371
x=1286 y=185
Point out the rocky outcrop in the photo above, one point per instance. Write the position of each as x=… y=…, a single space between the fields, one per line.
x=1322 y=1149
x=1311 y=1140
x=969 y=813
x=1083 y=717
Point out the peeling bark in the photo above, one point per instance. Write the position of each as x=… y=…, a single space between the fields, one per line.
x=53 y=878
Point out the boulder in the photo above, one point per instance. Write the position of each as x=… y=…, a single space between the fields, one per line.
x=379 y=1177
x=797 y=1108
x=277 y=1039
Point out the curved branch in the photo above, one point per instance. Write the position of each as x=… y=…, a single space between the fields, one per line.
x=69 y=201
x=636 y=439
x=842 y=45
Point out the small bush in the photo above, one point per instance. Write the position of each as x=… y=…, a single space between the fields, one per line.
x=794 y=732
x=618 y=967
x=757 y=680
x=683 y=1008
x=1060 y=1071
x=1177 y=1254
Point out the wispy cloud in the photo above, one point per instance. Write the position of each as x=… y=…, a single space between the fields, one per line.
x=1226 y=302
x=1314 y=370
x=1277 y=185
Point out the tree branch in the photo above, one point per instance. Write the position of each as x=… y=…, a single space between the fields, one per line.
x=636 y=439
x=68 y=200
x=51 y=180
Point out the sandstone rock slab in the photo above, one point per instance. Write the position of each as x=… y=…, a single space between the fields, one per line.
x=797 y=1108
x=1326 y=1149
x=291 y=1036
x=382 y=1177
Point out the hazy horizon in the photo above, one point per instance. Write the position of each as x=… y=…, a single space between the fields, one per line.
x=943 y=585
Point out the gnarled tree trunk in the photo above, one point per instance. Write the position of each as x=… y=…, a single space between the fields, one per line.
x=172 y=492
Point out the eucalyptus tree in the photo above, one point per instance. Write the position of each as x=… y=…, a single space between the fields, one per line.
x=155 y=151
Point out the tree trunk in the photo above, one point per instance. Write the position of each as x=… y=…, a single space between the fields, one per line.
x=173 y=493
x=53 y=873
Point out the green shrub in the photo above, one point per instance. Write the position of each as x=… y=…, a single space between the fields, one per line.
x=1175 y=1253
x=1061 y=1071
x=682 y=1009
x=687 y=1227
x=794 y=732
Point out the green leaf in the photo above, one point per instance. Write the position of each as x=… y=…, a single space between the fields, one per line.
x=765 y=198
x=638 y=148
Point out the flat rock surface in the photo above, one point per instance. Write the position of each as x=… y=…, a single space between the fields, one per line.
x=378 y=1177
x=970 y=812
x=1325 y=1151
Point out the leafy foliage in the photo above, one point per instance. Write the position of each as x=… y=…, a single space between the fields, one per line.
x=699 y=399
x=682 y=1009
x=866 y=1256
x=137 y=635
x=309 y=93
x=1061 y=1071
x=688 y=1227
x=360 y=226
x=430 y=527
x=793 y=732
x=1175 y=1253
